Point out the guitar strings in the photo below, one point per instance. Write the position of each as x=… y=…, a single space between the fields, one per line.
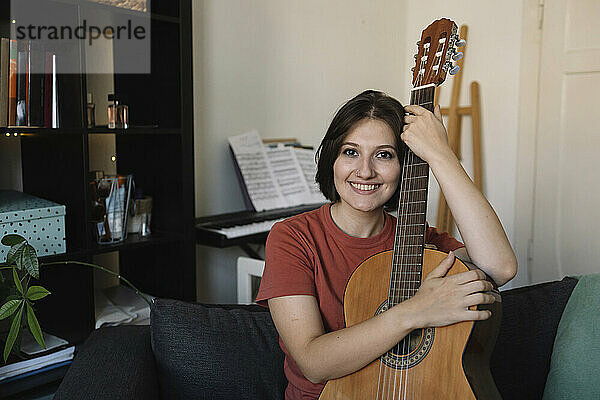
x=404 y=257
x=383 y=388
x=404 y=218
x=399 y=296
x=387 y=387
x=398 y=264
x=421 y=100
x=394 y=277
x=423 y=97
x=406 y=289
x=405 y=292
x=395 y=271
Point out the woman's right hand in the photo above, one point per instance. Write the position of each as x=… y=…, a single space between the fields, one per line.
x=444 y=300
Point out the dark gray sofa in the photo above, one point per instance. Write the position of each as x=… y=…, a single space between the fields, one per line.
x=199 y=351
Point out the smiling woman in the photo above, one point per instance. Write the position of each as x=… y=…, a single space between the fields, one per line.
x=309 y=258
x=365 y=174
x=369 y=107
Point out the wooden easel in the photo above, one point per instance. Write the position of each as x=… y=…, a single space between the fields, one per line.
x=445 y=221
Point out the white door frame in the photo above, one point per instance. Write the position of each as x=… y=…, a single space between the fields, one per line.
x=527 y=133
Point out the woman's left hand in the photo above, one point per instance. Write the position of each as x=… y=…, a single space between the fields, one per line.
x=424 y=133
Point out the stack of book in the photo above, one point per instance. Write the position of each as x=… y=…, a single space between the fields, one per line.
x=33 y=359
x=28 y=84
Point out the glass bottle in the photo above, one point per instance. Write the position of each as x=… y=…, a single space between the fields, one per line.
x=112 y=111
x=118 y=114
x=122 y=116
x=91 y=111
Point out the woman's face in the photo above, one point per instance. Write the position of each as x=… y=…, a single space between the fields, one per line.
x=370 y=148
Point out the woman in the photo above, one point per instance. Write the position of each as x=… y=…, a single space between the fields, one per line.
x=310 y=257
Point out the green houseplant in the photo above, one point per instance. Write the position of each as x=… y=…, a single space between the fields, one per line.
x=18 y=295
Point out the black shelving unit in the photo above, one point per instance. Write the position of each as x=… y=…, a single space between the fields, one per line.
x=157 y=149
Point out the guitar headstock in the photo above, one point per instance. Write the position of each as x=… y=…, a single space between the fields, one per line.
x=437 y=50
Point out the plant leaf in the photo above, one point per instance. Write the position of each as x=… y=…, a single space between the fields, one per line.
x=34 y=326
x=9 y=308
x=17 y=281
x=15 y=327
x=15 y=253
x=36 y=293
x=12 y=239
x=30 y=261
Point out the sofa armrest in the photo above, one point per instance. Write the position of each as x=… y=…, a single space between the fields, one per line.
x=530 y=316
x=114 y=363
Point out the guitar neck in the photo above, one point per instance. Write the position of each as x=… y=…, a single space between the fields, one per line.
x=423 y=96
x=407 y=264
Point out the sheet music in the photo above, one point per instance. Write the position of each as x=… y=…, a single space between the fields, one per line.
x=254 y=166
x=288 y=174
x=306 y=160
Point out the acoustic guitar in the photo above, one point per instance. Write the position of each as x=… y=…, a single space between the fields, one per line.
x=450 y=362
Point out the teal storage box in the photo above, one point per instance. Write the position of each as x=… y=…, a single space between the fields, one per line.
x=41 y=222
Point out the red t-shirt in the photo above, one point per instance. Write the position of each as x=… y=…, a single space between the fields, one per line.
x=309 y=255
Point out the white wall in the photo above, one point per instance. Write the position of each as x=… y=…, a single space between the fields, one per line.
x=284 y=67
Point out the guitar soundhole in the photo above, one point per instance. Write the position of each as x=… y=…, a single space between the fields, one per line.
x=411 y=350
x=409 y=344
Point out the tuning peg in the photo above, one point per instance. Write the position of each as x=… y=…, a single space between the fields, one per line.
x=412 y=69
x=454 y=70
x=460 y=43
x=418 y=43
x=457 y=56
x=415 y=56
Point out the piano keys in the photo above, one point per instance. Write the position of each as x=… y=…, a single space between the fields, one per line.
x=243 y=227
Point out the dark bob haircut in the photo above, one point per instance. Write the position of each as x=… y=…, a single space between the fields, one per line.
x=369 y=104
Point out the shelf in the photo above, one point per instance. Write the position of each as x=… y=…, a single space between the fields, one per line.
x=134 y=13
x=152 y=130
x=122 y=10
x=31 y=131
x=133 y=240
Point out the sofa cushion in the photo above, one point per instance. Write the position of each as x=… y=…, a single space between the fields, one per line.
x=521 y=358
x=575 y=361
x=207 y=352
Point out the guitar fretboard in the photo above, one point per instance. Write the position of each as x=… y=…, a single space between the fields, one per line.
x=407 y=264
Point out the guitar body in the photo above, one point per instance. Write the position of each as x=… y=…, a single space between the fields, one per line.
x=450 y=362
